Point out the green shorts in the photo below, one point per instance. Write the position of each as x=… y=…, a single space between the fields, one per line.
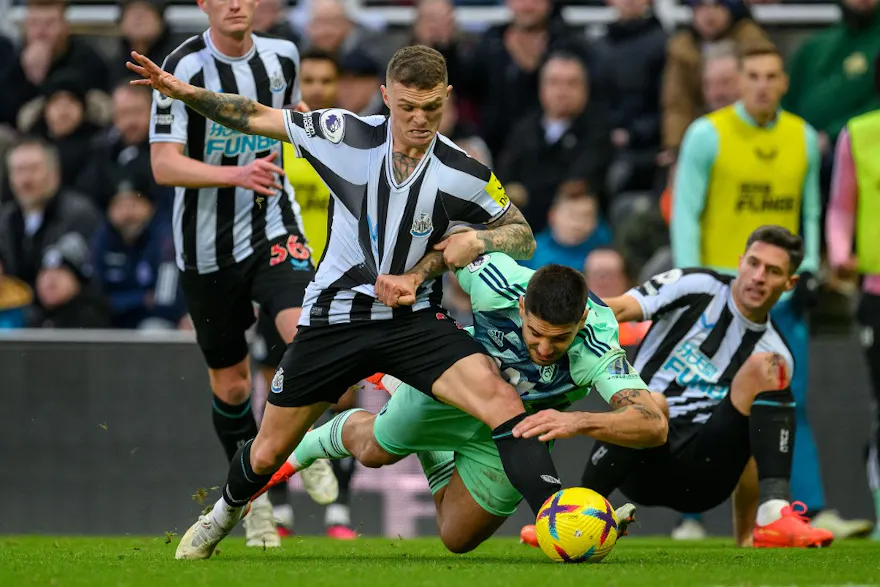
x=411 y=422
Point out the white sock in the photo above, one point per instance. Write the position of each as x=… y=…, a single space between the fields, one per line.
x=337 y=514
x=770 y=511
x=225 y=515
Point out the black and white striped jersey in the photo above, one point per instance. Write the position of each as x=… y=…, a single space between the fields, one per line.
x=217 y=227
x=698 y=340
x=375 y=225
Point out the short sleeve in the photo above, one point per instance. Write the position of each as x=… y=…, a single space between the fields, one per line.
x=470 y=191
x=169 y=118
x=596 y=358
x=673 y=289
x=494 y=281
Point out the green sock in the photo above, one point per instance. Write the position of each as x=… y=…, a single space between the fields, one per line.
x=438 y=467
x=324 y=442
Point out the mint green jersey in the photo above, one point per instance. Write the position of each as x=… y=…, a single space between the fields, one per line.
x=495 y=283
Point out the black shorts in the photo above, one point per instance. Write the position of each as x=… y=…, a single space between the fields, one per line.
x=221 y=307
x=267 y=347
x=322 y=362
x=699 y=474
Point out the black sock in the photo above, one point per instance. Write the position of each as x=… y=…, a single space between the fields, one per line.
x=527 y=463
x=608 y=467
x=235 y=425
x=344 y=470
x=242 y=483
x=771 y=434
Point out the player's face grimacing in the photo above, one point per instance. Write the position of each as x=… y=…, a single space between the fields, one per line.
x=230 y=17
x=415 y=113
x=547 y=343
x=763 y=276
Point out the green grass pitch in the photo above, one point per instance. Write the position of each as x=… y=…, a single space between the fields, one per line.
x=316 y=562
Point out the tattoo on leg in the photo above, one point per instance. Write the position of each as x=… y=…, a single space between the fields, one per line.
x=403 y=166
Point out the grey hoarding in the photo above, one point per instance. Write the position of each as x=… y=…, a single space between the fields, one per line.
x=110 y=433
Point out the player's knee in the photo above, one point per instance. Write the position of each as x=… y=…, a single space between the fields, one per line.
x=456 y=543
x=267 y=457
x=231 y=385
x=374 y=456
x=766 y=371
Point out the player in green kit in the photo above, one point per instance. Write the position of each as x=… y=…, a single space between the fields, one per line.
x=554 y=342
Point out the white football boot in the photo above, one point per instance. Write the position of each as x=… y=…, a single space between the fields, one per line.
x=259 y=525
x=201 y=539
x=320 y=482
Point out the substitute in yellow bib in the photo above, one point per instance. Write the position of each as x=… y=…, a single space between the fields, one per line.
x=319 y=82
x=739 y=168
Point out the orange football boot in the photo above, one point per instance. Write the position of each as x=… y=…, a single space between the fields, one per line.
x=791 y=530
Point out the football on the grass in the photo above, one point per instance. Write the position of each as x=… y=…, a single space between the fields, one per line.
x=576 y=525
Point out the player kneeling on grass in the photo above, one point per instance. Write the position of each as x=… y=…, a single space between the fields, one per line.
x=725 y=374
x=551 y=340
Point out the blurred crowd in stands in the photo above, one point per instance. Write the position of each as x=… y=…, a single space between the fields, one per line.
x=583 y=132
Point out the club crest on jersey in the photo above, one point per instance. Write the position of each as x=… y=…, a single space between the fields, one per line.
x=278 y=381
x=422 y=226
x=333 y=125
x=548 y=372
x=277 y=83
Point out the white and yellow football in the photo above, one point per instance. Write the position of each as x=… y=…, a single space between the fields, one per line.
x=576 y=525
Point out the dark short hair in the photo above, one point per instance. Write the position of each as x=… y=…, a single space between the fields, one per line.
x=557 y=294
x=782 y=238
x=417 y=66
x=315 y=54
x=759 y=50
x=565 y=55
x=50 y=150
x=625 y=263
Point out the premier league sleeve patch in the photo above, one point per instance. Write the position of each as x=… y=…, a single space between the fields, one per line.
x=333 y=125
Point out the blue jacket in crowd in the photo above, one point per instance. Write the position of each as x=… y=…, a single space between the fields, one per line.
x=549 y=251
x=140 y=281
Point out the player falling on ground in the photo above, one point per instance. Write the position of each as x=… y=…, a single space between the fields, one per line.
x=319 y=84
x=723 y=372
x=553 y=341
x=235 y=241
x=374 y=304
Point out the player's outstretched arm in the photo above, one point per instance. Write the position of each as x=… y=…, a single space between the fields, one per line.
x=626 y=308
x=230 y=110
x=635 y=422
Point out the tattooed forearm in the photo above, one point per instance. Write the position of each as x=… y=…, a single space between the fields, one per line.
x=403 y=166
x=624 y=398
x=646 y=412
x=230 y=110
x=430 y=266
x=510 y=234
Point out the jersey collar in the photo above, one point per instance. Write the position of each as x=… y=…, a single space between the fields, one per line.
x=740 y=109
x=226 y=58
x=756 y=326
x=389 y=169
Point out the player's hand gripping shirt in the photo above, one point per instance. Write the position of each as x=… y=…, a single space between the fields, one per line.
x=495 y=283
x=698 y=340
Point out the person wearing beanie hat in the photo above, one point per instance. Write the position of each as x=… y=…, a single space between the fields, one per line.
x=682 y=94
x=63 y=292
x=134 y=259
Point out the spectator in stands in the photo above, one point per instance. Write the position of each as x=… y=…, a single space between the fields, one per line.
x=143 y=28
x=501 y=74
x=721 y=76
x=741 y=167
x=41 y=211
x=608 y=277
x=122 y=149
x=49 y=49
x=134 y=260
x=331 y=29
x=463 y=134
x=545 y=146
x=832 y=74
x=13 y=82
x=853 y=211
x=633 y=55
x=270 y=17
x=359 y=81
x=15 y=298
x=65 y=125
x=575 y=229
x=683 y=99
x=65 y=298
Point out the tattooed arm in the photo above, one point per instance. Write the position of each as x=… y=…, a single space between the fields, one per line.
x=230 y=110
x=509 y=234
x=635 y=422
